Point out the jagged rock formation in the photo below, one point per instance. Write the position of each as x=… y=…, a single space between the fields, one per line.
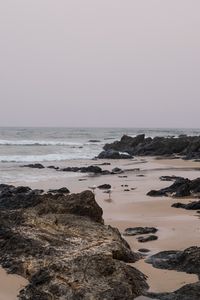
x=186 y=261
x=182 y=187
x=186 y=146
x=59 y=242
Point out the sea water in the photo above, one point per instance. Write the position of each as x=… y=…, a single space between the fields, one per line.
x=20 y=146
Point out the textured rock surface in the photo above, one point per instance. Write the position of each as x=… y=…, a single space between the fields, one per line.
x=60 y=244
x=186 y=146
x=139 y=230
x=112 y=154
x=182 y=187
x=186 y=261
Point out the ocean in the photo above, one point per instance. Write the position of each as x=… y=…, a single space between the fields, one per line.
x=22 y=145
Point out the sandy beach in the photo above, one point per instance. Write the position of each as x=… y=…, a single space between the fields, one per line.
x=177 y=228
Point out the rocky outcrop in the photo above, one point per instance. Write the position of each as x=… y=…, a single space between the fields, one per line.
x=194 y=205
x=187 y=292
x=170 y=178
x=182 y=187
x=59 y=242
x=112 y=154
x=185 y=261
x=185 y=146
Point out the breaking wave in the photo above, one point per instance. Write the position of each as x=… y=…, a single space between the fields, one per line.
x=37 y=143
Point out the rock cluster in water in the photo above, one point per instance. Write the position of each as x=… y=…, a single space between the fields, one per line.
x=185 y=146
x=60 y=244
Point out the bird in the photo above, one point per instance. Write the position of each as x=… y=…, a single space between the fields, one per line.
x=109 y=192
x=93 y=188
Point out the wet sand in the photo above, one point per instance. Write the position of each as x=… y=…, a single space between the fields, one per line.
x=178 y=228
x=10 y=285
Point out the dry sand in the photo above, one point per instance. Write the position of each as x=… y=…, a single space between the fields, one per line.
x=178 y=228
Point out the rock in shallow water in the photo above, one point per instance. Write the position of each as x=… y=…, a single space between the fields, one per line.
x=60 y=244
x=185 y=261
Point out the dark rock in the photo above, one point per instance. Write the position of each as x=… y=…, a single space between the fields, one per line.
x=90 y=169
x=60 y=244
x=139 y=230
x=187 y=292
x=170 y=178
x=94 y=141
x=112 y=154
x=184 y=146
x=33 y=166
x=117 y=171
x=190 y=206
x=21 y=189
x=70 y=169
x=144 y=250
x=184 y=261
x=63 y=190
x=53 y=167
x=104 y=187
x=182 y=187
x=148 y=238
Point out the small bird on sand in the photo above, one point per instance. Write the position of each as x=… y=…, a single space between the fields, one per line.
x=109 y=192
x=93 y=188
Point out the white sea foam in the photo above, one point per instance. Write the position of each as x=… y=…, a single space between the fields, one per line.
x=37 y=143
x=43 y=158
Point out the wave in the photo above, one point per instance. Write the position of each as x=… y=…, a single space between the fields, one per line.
x=37 y=143
x=44 y=158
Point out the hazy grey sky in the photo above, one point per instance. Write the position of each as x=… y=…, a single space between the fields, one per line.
x=100 y=63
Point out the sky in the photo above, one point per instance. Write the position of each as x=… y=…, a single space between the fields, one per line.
x=100 y=63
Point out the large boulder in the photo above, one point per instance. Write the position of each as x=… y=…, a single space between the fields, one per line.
x=59 y=243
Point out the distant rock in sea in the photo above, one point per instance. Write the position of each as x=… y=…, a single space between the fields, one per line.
x=187 y=147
